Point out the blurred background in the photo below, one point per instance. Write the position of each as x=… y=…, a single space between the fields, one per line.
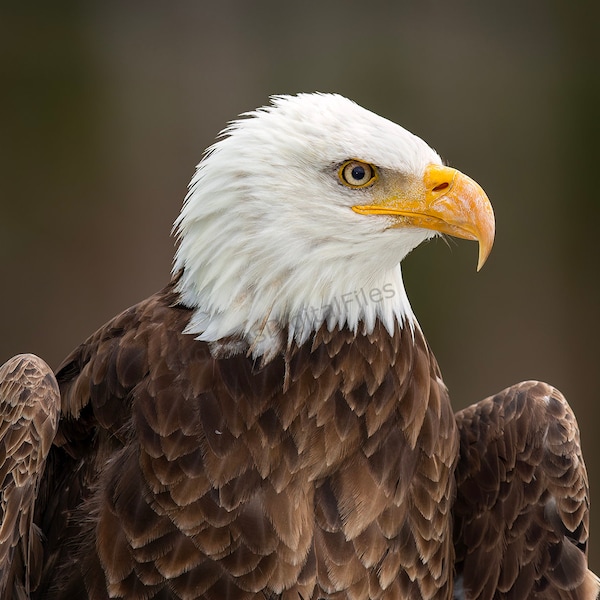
x=106 y=107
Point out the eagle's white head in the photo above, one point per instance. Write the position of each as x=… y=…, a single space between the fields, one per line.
x=300 y=215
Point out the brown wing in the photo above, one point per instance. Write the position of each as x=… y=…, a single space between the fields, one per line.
x=29 y=410
x=521 y=515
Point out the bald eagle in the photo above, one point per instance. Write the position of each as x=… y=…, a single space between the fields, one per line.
x=273 y=424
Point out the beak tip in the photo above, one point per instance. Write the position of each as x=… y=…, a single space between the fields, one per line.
x=484 y=252
x=486 y=233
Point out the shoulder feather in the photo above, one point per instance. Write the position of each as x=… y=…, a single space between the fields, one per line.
x=522 y=511
x=29 y=411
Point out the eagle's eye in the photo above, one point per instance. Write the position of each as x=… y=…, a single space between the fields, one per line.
x=357 y=174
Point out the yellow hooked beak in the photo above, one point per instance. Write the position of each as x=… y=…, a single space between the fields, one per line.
x=446 y=201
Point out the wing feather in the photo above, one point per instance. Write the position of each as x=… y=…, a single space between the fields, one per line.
x=29 y=412
x=522 y=509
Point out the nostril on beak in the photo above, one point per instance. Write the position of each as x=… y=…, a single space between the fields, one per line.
x=441 y=187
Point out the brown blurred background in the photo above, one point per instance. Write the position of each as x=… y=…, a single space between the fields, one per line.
x=106 y=107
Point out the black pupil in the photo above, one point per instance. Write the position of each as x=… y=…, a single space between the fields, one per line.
x=358 y=173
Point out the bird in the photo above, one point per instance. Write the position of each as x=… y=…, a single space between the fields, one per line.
x=273 y=423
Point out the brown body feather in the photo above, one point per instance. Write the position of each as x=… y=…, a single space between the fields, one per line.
x=336 y=470
x=327 y=472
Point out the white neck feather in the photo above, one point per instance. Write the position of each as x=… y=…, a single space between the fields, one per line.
x=261 y=320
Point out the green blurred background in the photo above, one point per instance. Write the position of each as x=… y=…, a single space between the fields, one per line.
x=106 y=107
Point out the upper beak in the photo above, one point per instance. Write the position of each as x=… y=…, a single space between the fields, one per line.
x=446 y=201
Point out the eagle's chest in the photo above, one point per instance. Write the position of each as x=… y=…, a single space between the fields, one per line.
x=313 y=475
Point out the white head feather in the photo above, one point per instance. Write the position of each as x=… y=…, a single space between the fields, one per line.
x=268 y=239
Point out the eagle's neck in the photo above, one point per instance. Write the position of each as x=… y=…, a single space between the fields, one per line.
x=289 y=310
